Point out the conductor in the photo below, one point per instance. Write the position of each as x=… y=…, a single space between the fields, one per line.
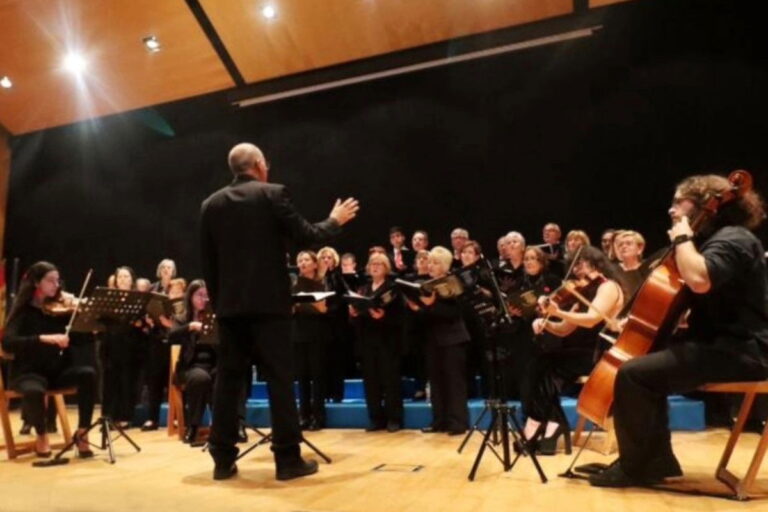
x=244 y=227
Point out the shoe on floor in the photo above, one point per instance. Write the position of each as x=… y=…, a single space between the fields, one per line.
x=296 y=469
x=224 y=471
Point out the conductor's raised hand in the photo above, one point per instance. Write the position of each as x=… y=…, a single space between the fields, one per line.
x=345 y=211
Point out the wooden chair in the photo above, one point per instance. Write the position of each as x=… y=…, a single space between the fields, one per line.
x=13 y=448
x=609 y=444
x=740 y=487
x=176 y=425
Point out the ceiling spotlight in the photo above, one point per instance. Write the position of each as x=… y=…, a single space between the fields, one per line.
x=75 y=63
x=269 y=12
x=151 y=43
x=6 y=83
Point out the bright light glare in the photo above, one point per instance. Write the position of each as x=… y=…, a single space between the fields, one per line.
x=6 y=83
x=75 y=63
x=269 y=12
x=152 y=43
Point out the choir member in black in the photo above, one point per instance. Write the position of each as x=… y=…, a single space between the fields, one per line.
x=42 y=357
x=339 y=348
x=157 y=352
x=381 y=349
x=414 y=364
x=446 y=347
x=606 y=244
x=553 y=248
x=400 y=256
x=459 y=237
x=724 y=267
x=476 y=362
x=419 y=241
x=122 y=344
x=631 y=272
x=501 y=249
x=517 y=354
x=348 y=264
x=196 y=367
x=510 y=273
x=579 y=327
x=575 y=239
x=311 y=337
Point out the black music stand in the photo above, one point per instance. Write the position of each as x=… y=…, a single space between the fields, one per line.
x=113 y=306
x=504 y=420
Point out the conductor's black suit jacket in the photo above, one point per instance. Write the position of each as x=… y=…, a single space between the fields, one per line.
x=244 y=230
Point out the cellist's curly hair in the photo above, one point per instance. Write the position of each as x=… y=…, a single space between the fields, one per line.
x=748 y=210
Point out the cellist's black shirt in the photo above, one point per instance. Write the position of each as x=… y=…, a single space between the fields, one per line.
x=733 y=314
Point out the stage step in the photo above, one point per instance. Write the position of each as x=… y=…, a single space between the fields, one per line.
x=684 y=413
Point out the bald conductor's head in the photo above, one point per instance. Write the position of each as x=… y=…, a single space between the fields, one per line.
x=246 y=158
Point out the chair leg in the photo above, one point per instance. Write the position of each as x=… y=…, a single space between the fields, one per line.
x=61 y=411
x=10 y=445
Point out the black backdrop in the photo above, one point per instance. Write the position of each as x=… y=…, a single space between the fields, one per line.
x=591 y=133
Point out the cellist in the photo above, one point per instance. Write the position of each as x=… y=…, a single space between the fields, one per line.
x=723 y=265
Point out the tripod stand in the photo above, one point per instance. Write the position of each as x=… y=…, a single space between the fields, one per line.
x=106 y=427
x=503 y=417
x=267 y=438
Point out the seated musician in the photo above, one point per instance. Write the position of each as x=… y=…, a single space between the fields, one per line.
x=37 y=338
x=723 y=265
x=629 y=246
x=578 y=326
x=196 y=367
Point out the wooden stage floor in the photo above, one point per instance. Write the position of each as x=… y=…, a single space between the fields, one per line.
x=169 y=476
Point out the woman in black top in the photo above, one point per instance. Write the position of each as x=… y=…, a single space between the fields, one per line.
x=578 y=327
x=42 y=357
x=122 y=344
x=381 y=348
x=446 y=355
x=196 y=367
x=338 y=357
x=311 y=336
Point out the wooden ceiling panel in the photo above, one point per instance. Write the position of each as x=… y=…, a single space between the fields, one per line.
x=310 y=34
x=602 y=3
x=122 y=75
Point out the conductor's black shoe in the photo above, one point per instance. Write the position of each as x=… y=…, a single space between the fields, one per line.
x=457 y=432
x=431 y=430
x=296 y=470
x=224 y=471
x=393 y=426
x=375 y=427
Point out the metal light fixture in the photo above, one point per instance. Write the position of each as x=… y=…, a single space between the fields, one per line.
x=151 y=43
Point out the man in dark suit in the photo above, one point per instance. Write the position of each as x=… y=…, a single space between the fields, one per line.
x=244 y=227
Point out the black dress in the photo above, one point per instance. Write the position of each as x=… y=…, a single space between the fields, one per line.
x=38 y=367
x=550 y=370
x=446 y=355
x=311 y=337
x=381 y=351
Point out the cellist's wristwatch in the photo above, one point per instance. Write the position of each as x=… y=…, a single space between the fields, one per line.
x=681 y=239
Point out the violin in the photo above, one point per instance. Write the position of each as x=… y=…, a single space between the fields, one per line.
x=62 y=304
x=569 y=292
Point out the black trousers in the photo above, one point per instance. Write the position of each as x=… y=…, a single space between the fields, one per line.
x=198 y=391
x=446 y=368
x=156 y=367
x=33 y=386
x=545 y=377
x=642 y=385
x=265 y=340
x=311 y=372
x=381 y=377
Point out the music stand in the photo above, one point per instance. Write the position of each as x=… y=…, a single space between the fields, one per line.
x=114 y=306
x=503 y=416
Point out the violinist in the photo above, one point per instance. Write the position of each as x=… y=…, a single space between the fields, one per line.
x=196 y=367
x=723 y=265
x=36 y=336
x=578 y=324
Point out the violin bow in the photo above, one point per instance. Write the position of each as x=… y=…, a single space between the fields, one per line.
x=79 y=300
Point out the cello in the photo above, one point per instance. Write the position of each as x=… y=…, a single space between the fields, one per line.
x=657 y=307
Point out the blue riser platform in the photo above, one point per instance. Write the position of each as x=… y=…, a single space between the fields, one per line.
x=684 y=414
